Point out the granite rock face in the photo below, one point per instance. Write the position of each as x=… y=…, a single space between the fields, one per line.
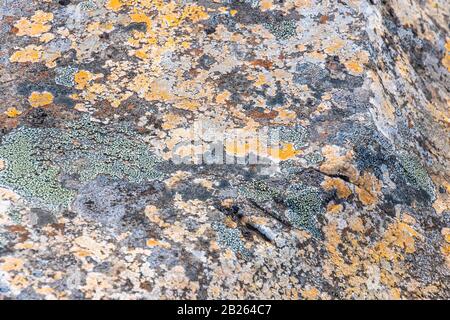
x=224 y=149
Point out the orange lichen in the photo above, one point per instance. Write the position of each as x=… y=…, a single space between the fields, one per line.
x=40 y=99
x=350 y=257
x=342 y=189
x=368 y=188
x=337 y=161
x=36 y=26
x=445 y=248
x=12 y=112
x=286 y=152
x=334 y=208
x=82 y=78
x=30 y=53
x=190 y=105
x=354 y=66
x=310 y=294
x=155 y=243
x=171 y=120
x=47 y=37
x=11 y=264
x=223 y=97
x=266 y=5
x=114 y=5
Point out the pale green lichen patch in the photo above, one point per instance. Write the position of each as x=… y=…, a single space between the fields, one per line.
x=28 y=172
x=231 y=238
x=37 y=157
x=282 y=30
x=66 y=76
x=120 y=154
x=415 y=174
x=304 y=205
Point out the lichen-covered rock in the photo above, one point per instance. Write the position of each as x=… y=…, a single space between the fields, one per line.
x=233 y=149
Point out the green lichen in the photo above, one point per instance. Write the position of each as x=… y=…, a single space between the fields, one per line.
x=313 y=158
x=28 y=172
x=121 y=154
x=88 y=5
x=36 y=158
x=297 y=135
x=304 y=203
x=65 y=76
x=415 y=174
x=230 y=238
x=259 y=191
x=282 y=30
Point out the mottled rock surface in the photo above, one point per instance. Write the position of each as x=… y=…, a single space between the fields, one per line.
x=114 y=113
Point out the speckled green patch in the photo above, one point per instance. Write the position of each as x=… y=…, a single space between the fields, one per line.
x=282 y=30
x=36 y=158
x=28 y=170
x=415 y=174
x=231 y=238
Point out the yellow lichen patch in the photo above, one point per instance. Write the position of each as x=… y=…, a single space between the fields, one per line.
x=195 y=13
x=285 y=153
x=140 y=17
x=40 y=99
x=36 y=26
x=334 y=46
x=11 y=264
x=368 y=188
x=369 y=269
x=399 y=234
x=91 y=247
x=152 y=213
x=171 y=120
x=47 y=37
x=176 y=178
x=338 y=161
x=223 y=97
x=155 y=243
x=445 y=249
x=342 y=189
x=30 y=53
x=82 y=78
x=266 y=5
x=114 y=5
x=12 y=112
x=316 y=55
x=446 y=58
x=356 y=224
x=260 y=80
x=310 y=294
x=354 y=66
x=284 y=115
x=334 y=208
x=190 y=105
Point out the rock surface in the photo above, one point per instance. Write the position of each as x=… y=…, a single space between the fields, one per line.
x=132 y=164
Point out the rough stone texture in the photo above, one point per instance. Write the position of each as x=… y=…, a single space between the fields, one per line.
x=101 y=97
